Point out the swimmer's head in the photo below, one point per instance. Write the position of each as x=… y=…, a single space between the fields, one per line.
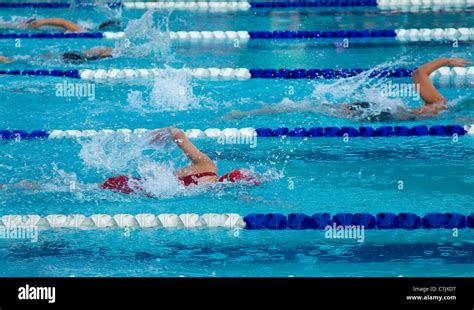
x=362 y=110
x=379 y=117
x=110 y=25
x=80 y=57
x=240 y=175
x=74 y=57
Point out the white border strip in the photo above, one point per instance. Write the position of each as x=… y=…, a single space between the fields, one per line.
x=436 y=34
x=213 y=133
x=417 y=5
x=80 y=221
x=458 y=73
x=189 y=5
x=202 y=73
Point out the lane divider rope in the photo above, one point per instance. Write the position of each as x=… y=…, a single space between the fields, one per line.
x=271 y=221
x=214 y=133
x=458 y=73
x=402 y=35
x=220 y=6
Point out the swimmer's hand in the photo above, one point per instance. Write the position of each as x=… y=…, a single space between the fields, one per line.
x=167 y=134
x=162 y=135
x=458 y=62
x=236 y=114
x=23 y=25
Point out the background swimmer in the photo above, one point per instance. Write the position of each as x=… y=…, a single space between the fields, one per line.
x=74 y=57
x=434 y=101
x=64 y=24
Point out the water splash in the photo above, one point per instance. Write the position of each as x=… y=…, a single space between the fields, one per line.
x=145 y=38
x=59 y=181
x=173 y=91
x=113 y=153
x=159 y=179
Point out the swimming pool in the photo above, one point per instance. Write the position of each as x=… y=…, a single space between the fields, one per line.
x=419 y=174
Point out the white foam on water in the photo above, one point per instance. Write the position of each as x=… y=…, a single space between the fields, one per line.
x=159 y=179
x=59 y=181
x=173 y=91
x=112 y=153
x=143 y=38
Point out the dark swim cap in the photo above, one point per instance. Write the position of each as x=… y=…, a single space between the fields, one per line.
x=362 y=104
x=380 y=117
x=75 y=57
x=110 y=25
x=79 y=57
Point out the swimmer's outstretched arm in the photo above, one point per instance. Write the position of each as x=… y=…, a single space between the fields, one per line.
x=5 y=60
x=189 y=149
x=100 y=51
x=428 y=91
x=56 y=22
x=235 y=114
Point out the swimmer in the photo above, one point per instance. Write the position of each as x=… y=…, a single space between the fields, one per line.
x=434 y=102
x=73 y=57
x=64 y=24
x=201 y=171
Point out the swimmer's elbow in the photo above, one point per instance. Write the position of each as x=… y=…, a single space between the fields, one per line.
x=418 y=74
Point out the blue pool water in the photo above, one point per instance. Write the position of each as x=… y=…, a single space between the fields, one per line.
x=302 y=175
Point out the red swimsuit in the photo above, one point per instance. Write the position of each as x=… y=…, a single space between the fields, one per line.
x=121 y=183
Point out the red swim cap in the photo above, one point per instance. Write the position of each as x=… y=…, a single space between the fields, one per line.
x=239 y=175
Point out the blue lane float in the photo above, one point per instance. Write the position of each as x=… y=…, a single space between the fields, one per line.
x=377 y=33
x=383 y=220
x=309 y=4
x=21 y=134
x=364 y=131
x=328 y=73
x=55 y=35
x=55 y=73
